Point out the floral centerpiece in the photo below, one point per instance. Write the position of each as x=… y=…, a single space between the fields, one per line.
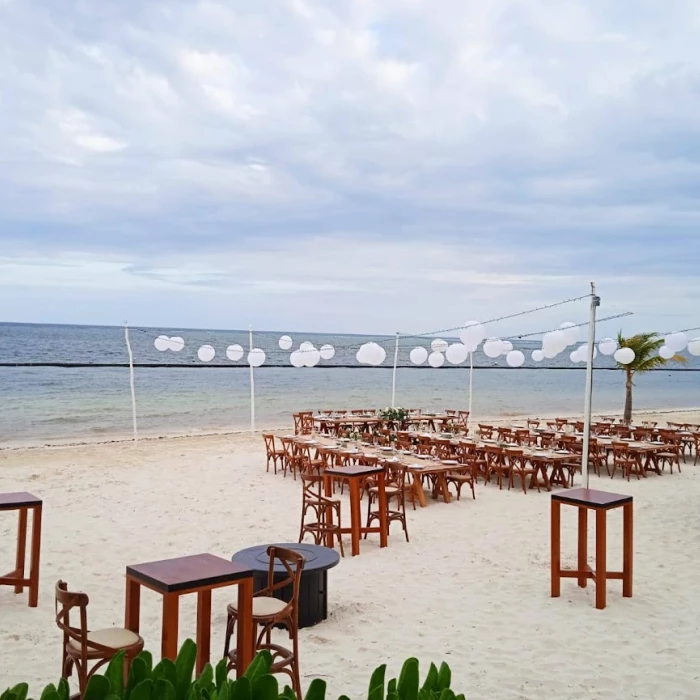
x=398 y=415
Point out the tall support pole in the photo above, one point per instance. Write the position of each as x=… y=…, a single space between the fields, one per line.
x=471 y=388
x=131 y=380
x=393 y=376
x=252 y=382
x=595 y=303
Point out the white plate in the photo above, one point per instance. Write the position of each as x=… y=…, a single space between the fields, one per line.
x=449 y=461
x=386 y=449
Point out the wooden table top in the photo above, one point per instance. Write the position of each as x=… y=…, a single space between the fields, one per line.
x=316 y=558
x=19 y=499
x=191 y=572
x=351 y=471
x=592 y=498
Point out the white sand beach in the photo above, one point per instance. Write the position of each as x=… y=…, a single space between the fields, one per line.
x=471 y=588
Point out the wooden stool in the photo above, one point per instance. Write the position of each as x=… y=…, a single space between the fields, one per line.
x=24 y=502
x=601 y=502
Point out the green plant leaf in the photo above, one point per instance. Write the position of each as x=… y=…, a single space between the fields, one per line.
x=408 y=680
x=376 y=684
x=48 y=690
x=447 y=694
x=205 y=679
x=444 y=677
x=391 y=687
x=163 y=690
x=142 y=691
x=265 y=688
x=98 y=688
x=184 y=668
x=288 y=694
x=9 y=695
x=63 y=689
x=50 y=695
x=241 y=689
x=431 y=680
x=221 y=675
x=260 y=665
x=316 y=690
x=20 y=691
x=114 y=673
x=138 y=672
x=147 y=658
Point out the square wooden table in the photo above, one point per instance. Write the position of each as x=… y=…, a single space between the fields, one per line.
x=24 y=502
x=200 y=574
x=600 y=502
x=354 y=476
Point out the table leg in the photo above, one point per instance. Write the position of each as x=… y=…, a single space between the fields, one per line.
x=418 y=492
x=35 y=556
x=555 y=538
x=21 y=548
x=171 y=604
x=582 y=547
x=442 y=483
x=133 y=605
x=601 y=548
x=203 y=628
x=245 y=639
x=328 y=490
x=383 y=508
x=355 y=515
x=628 y=550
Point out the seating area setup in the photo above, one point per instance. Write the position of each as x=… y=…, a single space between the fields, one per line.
x=390 y=462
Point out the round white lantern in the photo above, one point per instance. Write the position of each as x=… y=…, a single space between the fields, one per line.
x=537 y=355
x=177 y=343
x=162 y=343
x=234 y=352
x=472 y=334
x=515 y=358
x=436 y=359
x=574 y=356
x=327 y=352
x=310 y=358
x=493 y=347
x=206 y=353
x=624 y=356
x=285 y=342
x=666 y=352
x=439 y=345
x=297 y=359
x=371 y=354
x=457 y=353
x=307 y=345
x=506 y=347
x=554 y=342
x=694 y=347
x=582 y=352
x=571 y=331
x=418 y=355
x=607 y=346
x=549 y=353
x=256 y=357
x=677 y=342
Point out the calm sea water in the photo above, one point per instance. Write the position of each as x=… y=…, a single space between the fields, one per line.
x=44 y=404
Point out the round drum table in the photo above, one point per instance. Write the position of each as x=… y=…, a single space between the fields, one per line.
x=313 y=592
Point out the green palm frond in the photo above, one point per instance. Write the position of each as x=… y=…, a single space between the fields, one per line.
x=646 y=352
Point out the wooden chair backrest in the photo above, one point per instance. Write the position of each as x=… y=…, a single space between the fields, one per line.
x=293 y=564
x=269 y=439
x=297 y=423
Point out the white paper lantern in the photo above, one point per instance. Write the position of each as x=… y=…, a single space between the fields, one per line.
x=571 y=331
x=285 y=342
x=537 y=355
x=554 y=342
x=506 y=347
x=666 y=352
x=371 y=354
x=550 y=353
x=307 y=345
x=256 y=357
x=582 y=352
x=177 y=343
x=327 y=352
x=297 y=359
x=436 y=359
x=624 y=356
x=694 y=347
x=493 y=347
x=162 y=343
x=677 y=342
x=574 y=357
x=439 y=345
x=515 y=358
x=418 y=355
x=457 y=353
x=607 y=346
x=311 y=357
x=234 y=352
x=472 y=334
x=206 y=353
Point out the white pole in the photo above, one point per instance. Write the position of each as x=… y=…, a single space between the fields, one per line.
x=131 y=380
x=393 y=377
x=471 y=387
x=252 y=384
x=595 y=302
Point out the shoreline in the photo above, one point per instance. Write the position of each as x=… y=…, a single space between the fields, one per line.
x=122 y=438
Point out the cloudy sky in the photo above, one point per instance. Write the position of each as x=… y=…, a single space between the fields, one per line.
x=356 y=165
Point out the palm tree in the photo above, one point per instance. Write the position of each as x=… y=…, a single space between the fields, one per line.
x=646 y=358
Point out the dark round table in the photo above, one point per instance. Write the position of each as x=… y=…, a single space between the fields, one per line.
x=313 y=592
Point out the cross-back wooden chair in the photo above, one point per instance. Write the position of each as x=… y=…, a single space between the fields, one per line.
x=624 y=460
x=324 y=512
x=270 y=612
x=672 y=450
x=466 y=472
x=561 y=423
x=486 y=432
x=292 y=457
x=297 y=423
x=395 y=488
x=496 y=464
x=522 y=436
x=533 y=423
x=462 y=423
x=548 y=439
x=520 y=468
x=82 y=646
x=272 y=452
x=444 y=449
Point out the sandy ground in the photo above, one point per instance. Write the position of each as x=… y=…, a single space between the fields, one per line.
x=471 y=588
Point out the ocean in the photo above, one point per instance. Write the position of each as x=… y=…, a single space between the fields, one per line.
x=44 y=404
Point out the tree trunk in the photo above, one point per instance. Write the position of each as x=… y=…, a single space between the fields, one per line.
x=628 y=400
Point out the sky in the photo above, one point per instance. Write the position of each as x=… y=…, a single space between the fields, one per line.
x=363 y=166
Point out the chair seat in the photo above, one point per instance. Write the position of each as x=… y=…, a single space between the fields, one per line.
x=112 y=637
x=264 y=606
x=460 y=477
x=389 y=490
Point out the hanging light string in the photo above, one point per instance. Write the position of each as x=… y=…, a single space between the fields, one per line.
x=578 y=325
